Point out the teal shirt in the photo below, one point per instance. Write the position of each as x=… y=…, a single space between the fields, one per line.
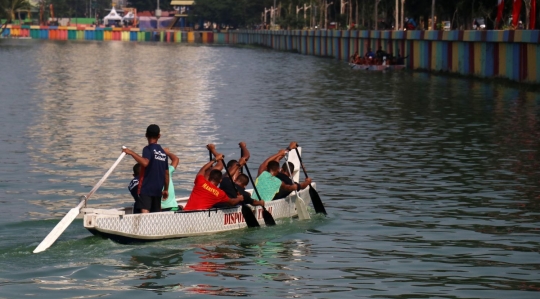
x=267 y=185
x=171 y=200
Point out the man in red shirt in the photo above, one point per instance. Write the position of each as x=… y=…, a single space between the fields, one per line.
x=205 y=193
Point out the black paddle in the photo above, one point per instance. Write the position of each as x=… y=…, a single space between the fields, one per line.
x=315 y=198
x=248 y=215
x=268 y=219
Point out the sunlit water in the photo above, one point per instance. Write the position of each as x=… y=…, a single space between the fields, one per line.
x=431 y=183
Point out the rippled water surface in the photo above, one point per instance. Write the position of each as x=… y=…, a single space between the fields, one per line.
x=431 y=183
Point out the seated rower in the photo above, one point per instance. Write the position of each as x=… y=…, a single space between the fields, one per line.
x=205 y=193
x=267 y=183
x=369 y=57
x=381 y=53
x=133 y=186
x=241 y=180
x=354 y=57
x=170 y=203
x=285 y=176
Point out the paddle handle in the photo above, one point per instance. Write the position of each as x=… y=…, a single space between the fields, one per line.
x=253 y=183
x=301 y=164
x=106 y=175
x=73 y=213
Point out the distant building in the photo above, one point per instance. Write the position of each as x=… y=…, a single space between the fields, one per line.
x=182 y=8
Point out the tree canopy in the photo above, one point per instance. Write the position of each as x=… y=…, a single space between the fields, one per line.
x=245 y=13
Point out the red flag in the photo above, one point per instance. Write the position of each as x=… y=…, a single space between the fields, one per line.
x=500 y=10
x=532 y=16
x=515 y=13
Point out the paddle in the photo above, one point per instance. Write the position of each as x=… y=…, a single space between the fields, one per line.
x=247 y=213
x=301 y=207
x=268 y=219
x=315 y=198
x=73 y=213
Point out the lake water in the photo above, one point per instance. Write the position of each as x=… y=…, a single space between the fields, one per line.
x=431 y=183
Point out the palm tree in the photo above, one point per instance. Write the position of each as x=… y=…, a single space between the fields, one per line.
x=8 y=9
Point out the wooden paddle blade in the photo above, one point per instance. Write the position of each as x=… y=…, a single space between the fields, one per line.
x=301 y=209
x=58 y=230
x=268 y=219
x=249 y=217
x=316 y=200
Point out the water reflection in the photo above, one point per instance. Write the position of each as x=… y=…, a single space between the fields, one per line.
x=431 y=182
x=86 y=99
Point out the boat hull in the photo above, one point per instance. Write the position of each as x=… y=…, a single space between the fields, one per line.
x=367 y=67
x=121 y=226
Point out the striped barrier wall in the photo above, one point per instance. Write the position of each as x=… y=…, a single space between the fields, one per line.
x=514 y=55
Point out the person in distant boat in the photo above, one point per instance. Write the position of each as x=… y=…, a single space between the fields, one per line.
x=205 y=193
x=369 y=54
x=267 y=183
x=400 y=60
x=354 y=57
x=133 y=186
x=240 y=180
x=170 y=203
x=285 y=176
x=381 y=53
x=369 y=58
x=154 y=177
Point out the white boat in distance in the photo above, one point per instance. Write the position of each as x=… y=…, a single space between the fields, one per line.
x=121 y=226
x=368 y=67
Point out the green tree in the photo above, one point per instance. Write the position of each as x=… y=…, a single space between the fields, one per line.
x=8 y=9
x=236 y=13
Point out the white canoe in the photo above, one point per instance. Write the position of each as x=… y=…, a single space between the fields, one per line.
x=367 y=67
x=122 y=226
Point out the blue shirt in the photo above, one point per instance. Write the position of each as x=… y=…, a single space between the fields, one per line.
x=153 y=175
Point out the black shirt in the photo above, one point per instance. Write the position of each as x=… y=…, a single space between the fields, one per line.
x=287 y=180
x=227 y=187
x=134 y=188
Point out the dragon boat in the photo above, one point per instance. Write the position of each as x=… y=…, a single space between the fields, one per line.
x=374 y=67
x=122 y=226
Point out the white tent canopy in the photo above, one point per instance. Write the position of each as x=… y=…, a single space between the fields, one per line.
x=111 y=17
x=129 y=16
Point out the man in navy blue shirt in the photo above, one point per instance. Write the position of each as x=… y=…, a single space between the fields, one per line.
x=154 y=175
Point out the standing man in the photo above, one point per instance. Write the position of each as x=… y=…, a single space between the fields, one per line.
x=170 y=204
x=154 y=178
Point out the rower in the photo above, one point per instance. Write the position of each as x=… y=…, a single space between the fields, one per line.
x=285 y=177
x=241 y=180
x=205 y=193
x=369 y=57
x=267 y=183
x=354 y=57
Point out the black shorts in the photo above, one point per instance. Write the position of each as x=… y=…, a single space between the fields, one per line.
x=151 y=203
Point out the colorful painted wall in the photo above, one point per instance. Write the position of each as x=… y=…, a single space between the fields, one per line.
x=513 y=55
